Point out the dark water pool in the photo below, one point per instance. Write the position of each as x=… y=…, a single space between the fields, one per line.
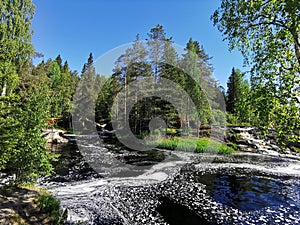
x=177 y=214
x=252 y=191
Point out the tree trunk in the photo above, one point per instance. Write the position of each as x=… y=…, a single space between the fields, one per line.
x=198 y=127
x=3 y=90
x=294 y=32
x=297 y=50
x=188 y=118
x=125 y=101
x=166 y=127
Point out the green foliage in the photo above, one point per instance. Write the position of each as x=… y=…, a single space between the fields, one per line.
x=48 y=203
x=169 y=144
x=15 y=31
x=29 y=158
x=158 y=59
x=8 y=77
x=51 y=206
x=295 y=149
x=23 y=101
x=86 y=96
x=197 y=82
x=9 y=127
x=55 y=75
x=267 y=34
x=233 y=146
x=238 y=97
x=219 y=117
x=22 y=148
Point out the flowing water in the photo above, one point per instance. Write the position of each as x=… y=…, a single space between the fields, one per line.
x=252 y=191
x=177 y=188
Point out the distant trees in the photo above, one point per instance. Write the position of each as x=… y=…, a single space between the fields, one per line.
x=61 y=84
x=158 y=59
x=267 y=34
x=90 y=88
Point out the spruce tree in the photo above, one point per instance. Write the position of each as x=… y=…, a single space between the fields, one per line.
x=237 y=96
x=85 y=98
x=59 y=61
x=231 y=92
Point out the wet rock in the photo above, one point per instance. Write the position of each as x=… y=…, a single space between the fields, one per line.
x=249 y=139
x=246 y=148
x=54 y=136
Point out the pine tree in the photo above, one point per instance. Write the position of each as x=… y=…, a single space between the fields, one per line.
x=198 y=84
x=65 y=68
x=169 y=69
x=156 y=43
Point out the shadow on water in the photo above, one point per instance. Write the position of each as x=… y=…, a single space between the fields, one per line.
x=71 y=165
x=253 y=191
x=176 y=214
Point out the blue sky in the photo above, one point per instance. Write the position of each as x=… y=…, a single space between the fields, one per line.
x=74 y=28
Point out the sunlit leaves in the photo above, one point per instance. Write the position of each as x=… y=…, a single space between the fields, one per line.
x=267 y=34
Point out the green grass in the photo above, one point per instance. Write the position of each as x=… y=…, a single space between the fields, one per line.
x=195 y=145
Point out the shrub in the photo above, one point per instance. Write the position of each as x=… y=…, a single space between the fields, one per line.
x=50 y=205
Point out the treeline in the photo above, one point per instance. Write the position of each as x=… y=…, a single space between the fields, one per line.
x=157 y=60
x=60 y=84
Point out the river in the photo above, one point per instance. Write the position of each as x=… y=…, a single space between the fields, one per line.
x=173 y=187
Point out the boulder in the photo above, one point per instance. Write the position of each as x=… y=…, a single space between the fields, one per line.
x=54 y=136
x=246 y=148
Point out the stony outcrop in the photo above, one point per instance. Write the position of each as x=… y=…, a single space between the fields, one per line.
x=249 y=139
x=54 y=136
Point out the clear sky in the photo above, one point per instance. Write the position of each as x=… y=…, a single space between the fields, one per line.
x=74 y=28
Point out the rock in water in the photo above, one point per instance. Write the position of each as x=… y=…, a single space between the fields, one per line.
x=54 y=136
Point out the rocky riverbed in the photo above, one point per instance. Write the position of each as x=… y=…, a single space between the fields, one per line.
x=186 y=188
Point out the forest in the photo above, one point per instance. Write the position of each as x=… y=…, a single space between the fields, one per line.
x=33 y=94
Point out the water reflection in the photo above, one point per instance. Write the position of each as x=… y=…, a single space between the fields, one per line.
x=249 y=192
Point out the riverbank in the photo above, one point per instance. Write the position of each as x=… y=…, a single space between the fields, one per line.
x=28 y=206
